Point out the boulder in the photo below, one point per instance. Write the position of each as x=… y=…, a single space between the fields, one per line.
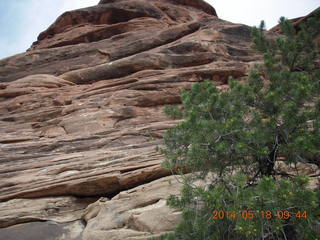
x=138 y=213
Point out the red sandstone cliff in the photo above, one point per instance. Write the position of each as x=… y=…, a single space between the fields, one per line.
x=81 y=115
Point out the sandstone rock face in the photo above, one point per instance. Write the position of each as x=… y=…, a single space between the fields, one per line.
x=139 y=213
x=43 y=230
x=81 y=115
x=58 y=209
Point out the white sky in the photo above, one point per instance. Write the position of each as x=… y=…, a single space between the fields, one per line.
x=251 y=12
x=21 y=21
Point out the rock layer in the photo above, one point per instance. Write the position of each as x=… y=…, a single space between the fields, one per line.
x=58 y=209
x=81 y=113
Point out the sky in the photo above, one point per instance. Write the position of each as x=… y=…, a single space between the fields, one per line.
x=21 y=21
x=251 y=12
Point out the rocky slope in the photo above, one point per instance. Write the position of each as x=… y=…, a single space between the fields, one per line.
x=81 y=113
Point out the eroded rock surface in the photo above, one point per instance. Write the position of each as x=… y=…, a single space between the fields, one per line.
x=58 y=209
x=43 y=230
x=81 y=113
x=93 y=131
x=139 y=213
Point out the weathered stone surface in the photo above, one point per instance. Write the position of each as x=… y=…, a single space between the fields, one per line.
x=89 y=34
x=94 y=131
x=43 y=230
x=123 y=11
x=138 y=213
x=80 y=172
x=199 y=4
x=57 y=209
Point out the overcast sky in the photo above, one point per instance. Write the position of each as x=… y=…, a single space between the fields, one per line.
x=21 y=21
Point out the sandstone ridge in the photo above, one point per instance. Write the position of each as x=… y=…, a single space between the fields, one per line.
x=81 y=115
